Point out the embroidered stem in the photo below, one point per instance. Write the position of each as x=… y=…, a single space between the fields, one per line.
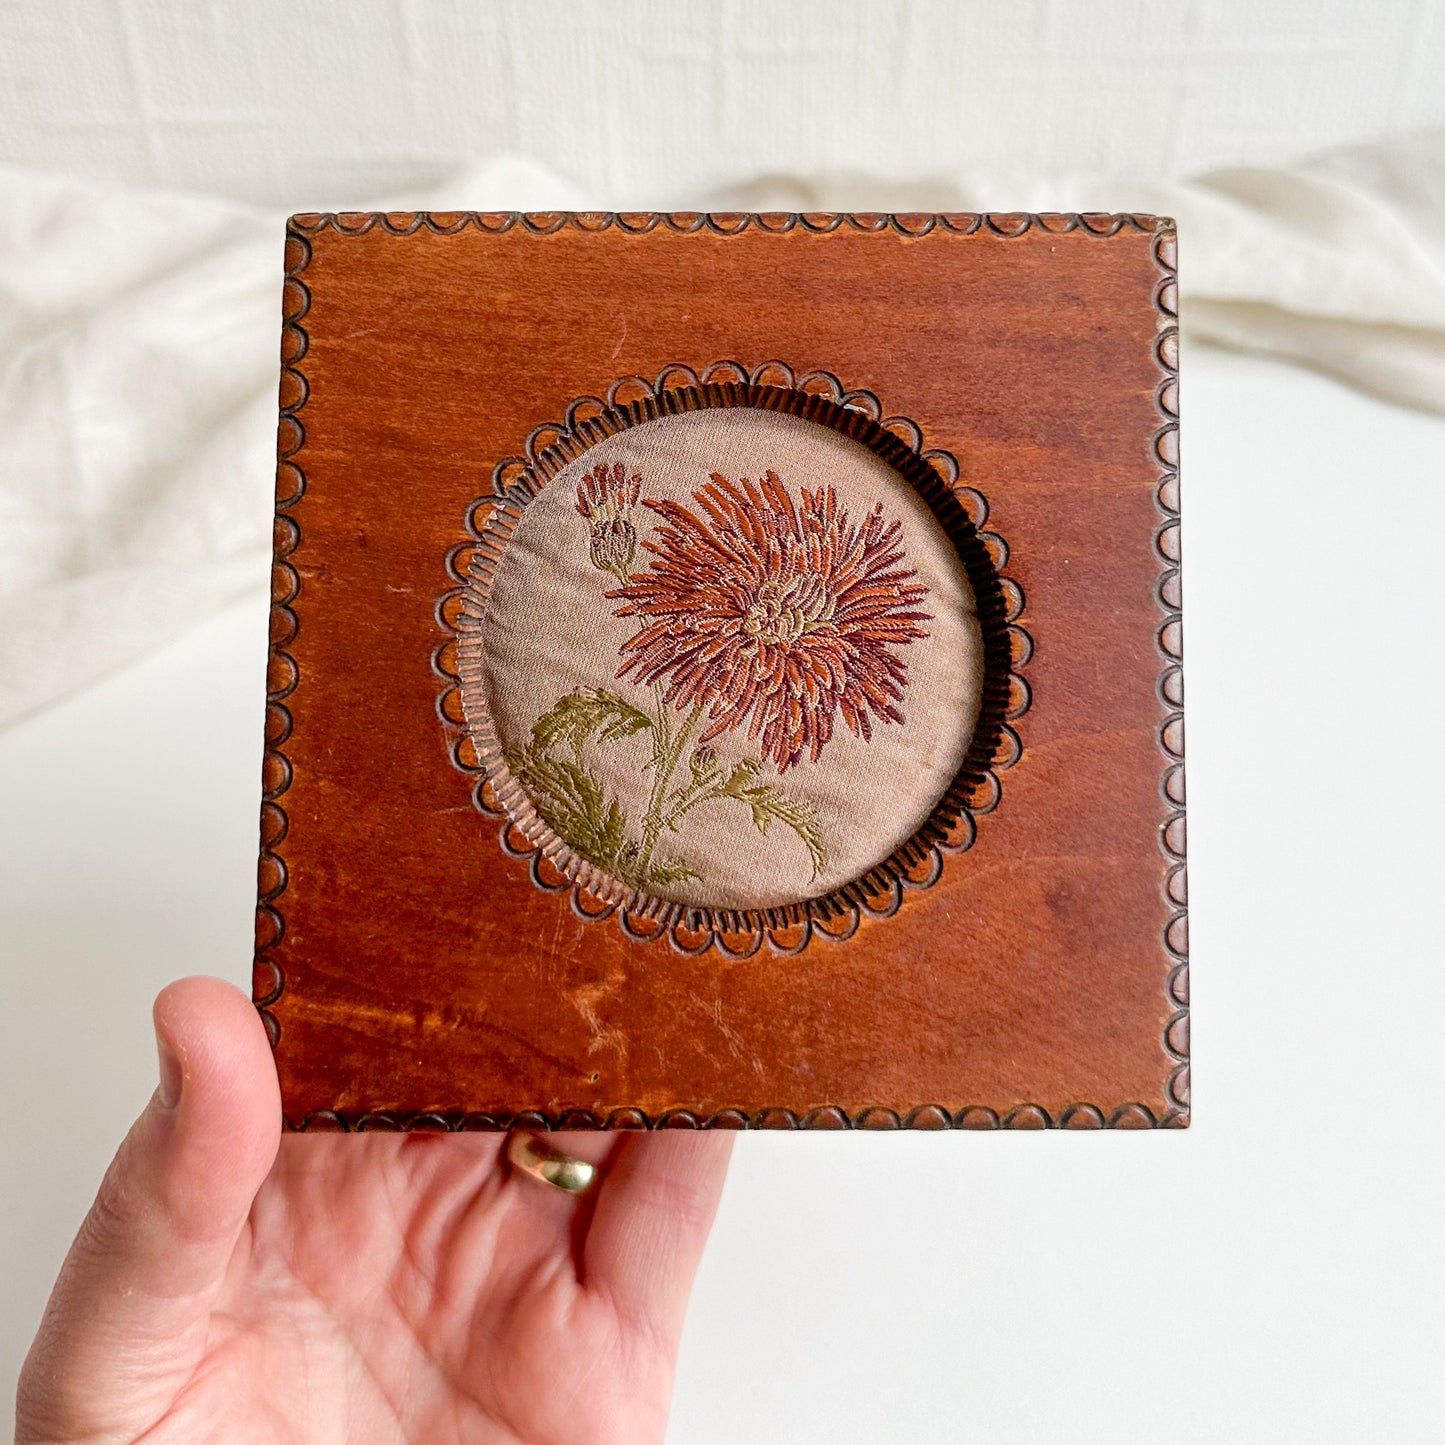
x=665 y=760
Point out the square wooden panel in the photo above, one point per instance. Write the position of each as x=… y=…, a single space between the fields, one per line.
x=426 y=957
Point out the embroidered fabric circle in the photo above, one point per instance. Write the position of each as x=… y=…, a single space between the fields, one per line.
x=732 y=658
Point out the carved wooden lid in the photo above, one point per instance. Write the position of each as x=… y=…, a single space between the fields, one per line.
x=726 y=671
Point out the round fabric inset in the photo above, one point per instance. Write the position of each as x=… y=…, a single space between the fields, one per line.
x=732 y=658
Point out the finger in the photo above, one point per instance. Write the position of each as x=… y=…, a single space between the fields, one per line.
x=131 y=1306
x=654 y=1209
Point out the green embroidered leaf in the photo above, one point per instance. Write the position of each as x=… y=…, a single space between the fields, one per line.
x=612 y=835
x=742 y=774
x=674 y=872
x=574 y=804
x=767 y=802
x=581 y=714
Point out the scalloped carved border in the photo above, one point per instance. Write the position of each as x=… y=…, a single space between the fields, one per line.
x=828 y=1116
x=282 y=677
x=961 y=511
x=1171 y=679
x=282 y=674
x=724 y=223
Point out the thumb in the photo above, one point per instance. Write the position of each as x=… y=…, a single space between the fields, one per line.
x=127 y=1322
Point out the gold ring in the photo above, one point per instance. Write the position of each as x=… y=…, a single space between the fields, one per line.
x=549 y=1165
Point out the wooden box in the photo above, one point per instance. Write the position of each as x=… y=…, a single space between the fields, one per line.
x=726 y=672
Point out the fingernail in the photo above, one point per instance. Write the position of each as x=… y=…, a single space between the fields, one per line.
x=169 y=1089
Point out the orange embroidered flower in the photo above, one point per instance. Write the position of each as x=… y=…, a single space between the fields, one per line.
x=603 y=499
x=774 y=614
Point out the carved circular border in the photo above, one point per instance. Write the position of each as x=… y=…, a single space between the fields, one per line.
x=961 y=510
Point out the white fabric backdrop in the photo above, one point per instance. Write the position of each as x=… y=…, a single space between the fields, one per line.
x=314 y=104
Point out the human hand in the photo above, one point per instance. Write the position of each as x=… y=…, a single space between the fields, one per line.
x=392 y=1287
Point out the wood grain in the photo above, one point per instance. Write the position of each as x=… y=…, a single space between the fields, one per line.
x=412 y=974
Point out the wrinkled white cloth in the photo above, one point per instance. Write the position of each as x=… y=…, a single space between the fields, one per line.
x=139 y=333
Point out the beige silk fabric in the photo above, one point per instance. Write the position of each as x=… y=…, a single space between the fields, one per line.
x=736 y=821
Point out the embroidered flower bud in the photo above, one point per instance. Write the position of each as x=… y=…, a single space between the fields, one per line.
x=613 y=545
x=607 y=491
x=603 y=500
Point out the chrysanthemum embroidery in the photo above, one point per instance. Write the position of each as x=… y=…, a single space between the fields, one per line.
x=758 y=614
